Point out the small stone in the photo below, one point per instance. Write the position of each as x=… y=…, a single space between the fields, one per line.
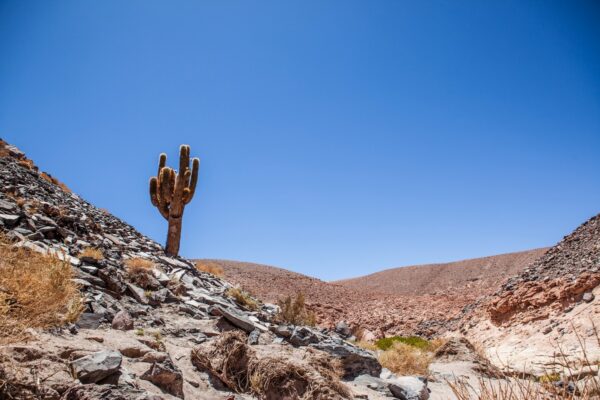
x=409 y=388
x=89 y=321
x=133 y=351
x=343 y=329
x=9 y=220
x=154 y=357
x=588 y=297
x=122 y=321
x=166 y=376
x=253 y=337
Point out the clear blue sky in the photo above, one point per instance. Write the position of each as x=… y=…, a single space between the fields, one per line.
x=337 y=138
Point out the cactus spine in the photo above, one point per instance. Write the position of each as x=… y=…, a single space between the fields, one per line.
x=170 y=191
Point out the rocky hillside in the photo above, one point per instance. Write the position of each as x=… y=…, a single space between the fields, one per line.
x=565 y=275
x=551 y=306
x=152 y=326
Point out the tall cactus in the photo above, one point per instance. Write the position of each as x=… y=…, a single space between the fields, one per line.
x=170 y=191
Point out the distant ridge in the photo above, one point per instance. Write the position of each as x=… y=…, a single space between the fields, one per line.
x=482 y=273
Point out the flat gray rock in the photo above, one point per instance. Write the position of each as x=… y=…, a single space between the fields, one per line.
x=96 y=366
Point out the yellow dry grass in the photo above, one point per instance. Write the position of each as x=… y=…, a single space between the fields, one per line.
x=403 y=359
x=27 y=163
x=138 y=263
x=242 y=298
x=92 y=252
x=210 y=268
x=139 y=271
x=36 y=291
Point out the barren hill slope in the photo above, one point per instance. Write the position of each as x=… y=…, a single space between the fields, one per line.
x=384 y=303
x=478 y=274
x=273 y=283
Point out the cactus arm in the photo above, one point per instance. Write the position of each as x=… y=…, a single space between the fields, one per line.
x=162 y=161
x=184 y=158
x=193 y=180
x=154 y=191
x=156 y=199
x=166 y=189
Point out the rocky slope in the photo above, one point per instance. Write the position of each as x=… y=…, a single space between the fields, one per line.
x=551 y=307
x=174 y=334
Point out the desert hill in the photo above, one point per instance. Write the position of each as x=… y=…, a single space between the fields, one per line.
x=388 y=302
x=478 y=274
x=271 y=284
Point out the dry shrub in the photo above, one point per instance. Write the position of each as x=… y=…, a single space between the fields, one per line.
x=139 y=271
x=3 y=150
x=92 y=253
x=366 y=345
x=27 y=163
x=64 y=187
x=209 y=267
x=294 y=311
x=139 y=264
x=520 y=389
x=242 y=298
x=404 y=359
x=36 y=291
x=241 y=369
x=49 y=178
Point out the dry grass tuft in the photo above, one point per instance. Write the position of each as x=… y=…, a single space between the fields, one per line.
x=3 y=150
x=27 y=163
x=367 y=345
x=49 y=178
x=210 y=268
x=139 y=271
x=242 y=298
x=92 y=253
x=138 y=263
x=521 y=389
x=244 y=370
x=294 y=311
x=36 y=291
x=404 y=359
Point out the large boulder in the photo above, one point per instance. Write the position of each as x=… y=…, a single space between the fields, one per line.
x=355 y=360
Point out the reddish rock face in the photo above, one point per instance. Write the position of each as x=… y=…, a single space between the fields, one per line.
x=537 y=300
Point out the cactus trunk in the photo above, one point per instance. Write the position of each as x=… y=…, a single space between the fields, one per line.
x=173 y=236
